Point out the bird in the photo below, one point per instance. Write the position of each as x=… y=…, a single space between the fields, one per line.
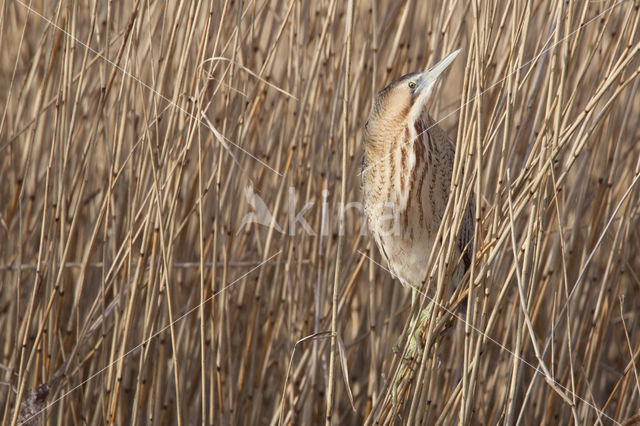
x=406 y=178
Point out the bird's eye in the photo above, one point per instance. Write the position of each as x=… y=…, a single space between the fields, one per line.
x=412 y=85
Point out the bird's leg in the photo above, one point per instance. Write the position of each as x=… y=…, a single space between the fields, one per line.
x=414 y=346
x=396 y=348
x=421 y=317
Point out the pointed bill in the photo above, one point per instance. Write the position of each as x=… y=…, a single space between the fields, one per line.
x=428 y=80
x=430 y=76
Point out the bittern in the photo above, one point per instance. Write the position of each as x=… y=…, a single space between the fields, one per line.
x=406 y=178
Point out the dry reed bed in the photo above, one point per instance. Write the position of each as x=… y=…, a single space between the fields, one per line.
x=136 y=136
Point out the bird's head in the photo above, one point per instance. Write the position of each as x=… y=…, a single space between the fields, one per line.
x=403 y=101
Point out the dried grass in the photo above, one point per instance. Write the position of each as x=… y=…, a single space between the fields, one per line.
x=133 y=135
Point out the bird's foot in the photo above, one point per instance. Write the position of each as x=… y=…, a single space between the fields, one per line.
x=412 y=353
x=414 y=347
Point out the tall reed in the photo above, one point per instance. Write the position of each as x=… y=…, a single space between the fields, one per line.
x=177 y=244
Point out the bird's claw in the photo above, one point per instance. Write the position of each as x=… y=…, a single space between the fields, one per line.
x=414 y=348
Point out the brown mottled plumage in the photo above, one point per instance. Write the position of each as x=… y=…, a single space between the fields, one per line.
x=407 y=167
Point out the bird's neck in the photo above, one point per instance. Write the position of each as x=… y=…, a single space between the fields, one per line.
x=377 y=146
x=381 y=137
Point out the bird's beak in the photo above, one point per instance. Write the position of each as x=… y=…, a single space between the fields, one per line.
x=429 y=77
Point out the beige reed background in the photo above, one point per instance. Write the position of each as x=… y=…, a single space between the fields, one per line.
x=135 y=137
